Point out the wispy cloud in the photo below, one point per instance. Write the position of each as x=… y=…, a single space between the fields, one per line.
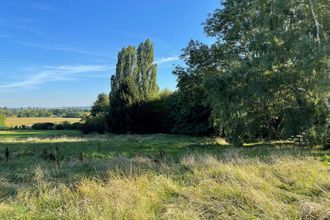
x=41 y=7
x=158 y=41
x=167 y=59
x=20 y=27
x=4 y=35
x=65 y=49
x=33 y=5
x=53 y=74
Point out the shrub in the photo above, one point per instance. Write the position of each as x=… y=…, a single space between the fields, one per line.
x=95 y=123
x=50 y=126
x=43 y=126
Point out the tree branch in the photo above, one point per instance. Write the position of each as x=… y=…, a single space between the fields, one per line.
x=317 y=24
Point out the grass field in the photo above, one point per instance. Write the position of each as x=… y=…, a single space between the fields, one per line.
x=159 y=177
x=14 y=121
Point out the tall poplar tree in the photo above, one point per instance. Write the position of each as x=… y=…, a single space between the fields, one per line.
x=126 y=68
x=133 y=83
x=147 y=71
x=124 y=91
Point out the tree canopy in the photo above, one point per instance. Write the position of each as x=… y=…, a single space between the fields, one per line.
x=266 y=76
x=273 y=58
x=134 y=82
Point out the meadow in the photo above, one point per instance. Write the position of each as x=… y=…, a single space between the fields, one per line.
x=18 y=121
x=159 y=177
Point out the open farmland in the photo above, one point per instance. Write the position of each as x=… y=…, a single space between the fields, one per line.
x=16 y=121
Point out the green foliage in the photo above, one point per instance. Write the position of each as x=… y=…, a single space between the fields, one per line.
x=127 y=95
x=43 y=112
x=264 y=77
x=192 y=110
x=97 y=120
x=326 y=139
x=260 y=80
x=147 y=71
x=101 y=105
x=2 y=121
x=156 y=115
x=95 y=123
x=43 y=126
x=133 y=85
x=52 y=126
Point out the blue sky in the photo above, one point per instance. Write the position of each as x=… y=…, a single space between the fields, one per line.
x=63 y=52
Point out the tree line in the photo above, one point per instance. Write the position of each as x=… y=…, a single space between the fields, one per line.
x=266 y=76
x=44 y=112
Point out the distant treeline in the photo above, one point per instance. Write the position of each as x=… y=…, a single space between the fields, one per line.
x=265 y=76
x=48 y=126
x=60 y=126
x=44 y=112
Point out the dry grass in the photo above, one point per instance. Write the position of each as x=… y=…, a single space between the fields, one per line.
x=199 y=187
x=123 y=177
x=14 y=121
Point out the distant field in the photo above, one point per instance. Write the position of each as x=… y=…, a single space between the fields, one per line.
x=13 y=121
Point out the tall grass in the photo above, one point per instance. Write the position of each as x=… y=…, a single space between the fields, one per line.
x=125 y=177
x=196 y=187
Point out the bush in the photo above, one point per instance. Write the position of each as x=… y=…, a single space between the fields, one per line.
x=43 y=126
x=63 y=126
x=51 y=126
x=76 y=126
x=94 y=124
x=326 y=140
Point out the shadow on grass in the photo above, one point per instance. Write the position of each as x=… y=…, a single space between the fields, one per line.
x=95 y=155
x=23 y=134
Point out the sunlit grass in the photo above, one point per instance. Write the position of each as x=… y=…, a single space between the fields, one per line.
x=16 y=135
x=15 y=121
x=124 y=177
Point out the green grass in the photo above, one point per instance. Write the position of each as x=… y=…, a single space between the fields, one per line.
x=26 y=134
x=123 y=177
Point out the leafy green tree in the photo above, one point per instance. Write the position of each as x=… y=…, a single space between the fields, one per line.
x=101 y=105
x=95 y=123
x=97 y=120
x=133 y=83
x=147 y=71
x=126 y=69
x=156 y=115
x=273 y=57
x=191 y=104
x=124 y=91
x=127 y=95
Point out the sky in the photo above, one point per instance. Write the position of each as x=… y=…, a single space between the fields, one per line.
x=63 y=53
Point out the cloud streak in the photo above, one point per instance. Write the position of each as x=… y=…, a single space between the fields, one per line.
x=33 y=5
x=167 y=60
x=65 y=49
x=160 y=43
x=159 y=61
x=4 y=35
x=53 y=74
x=42 y=7
x=21 y=27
